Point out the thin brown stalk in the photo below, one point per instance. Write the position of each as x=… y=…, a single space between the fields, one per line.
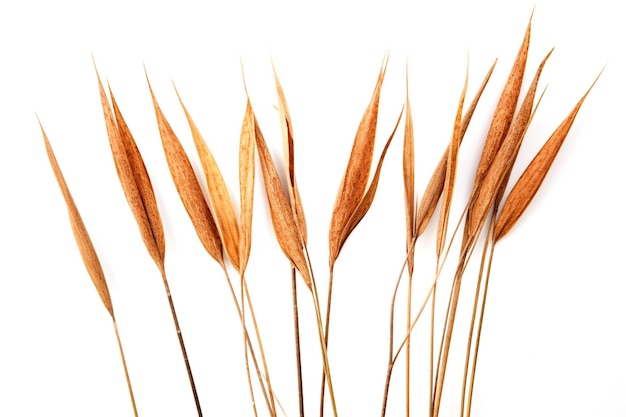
x=88 y=255
x=128 y=384
x=260 y=342
x=295 y=203
x=138 y=189
x=296 y=331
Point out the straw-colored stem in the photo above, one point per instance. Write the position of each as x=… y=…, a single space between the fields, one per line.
x=245 y=350
x=261 y=350
x=431 y=367
x=296 y=330
x=181 y=342
x=407 y=383
x=479 y=332
x=470 y=336
x=130 y=387
x=323 y=341
x=241 y=312
x=326 y=330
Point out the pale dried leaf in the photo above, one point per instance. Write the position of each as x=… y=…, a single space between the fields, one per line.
x=85 y=246
x=218 y=194
x=246 y=185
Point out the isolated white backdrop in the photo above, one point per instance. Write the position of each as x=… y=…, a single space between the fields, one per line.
x=554 y=334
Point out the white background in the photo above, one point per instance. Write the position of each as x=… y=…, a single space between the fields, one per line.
x=554 y=334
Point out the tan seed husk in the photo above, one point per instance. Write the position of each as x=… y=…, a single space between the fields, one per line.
x=134 y=180
x=285 y=227
x=218 y=194
x=288 y=148
x=368 y=198
x=355 y=178
x=503 y=161
x=85 y=246
x=408 y=172
x=448 y=188
x=187 y=186
x=246 y=185
x=434 y=188
x=505 y=110
x=529 y=182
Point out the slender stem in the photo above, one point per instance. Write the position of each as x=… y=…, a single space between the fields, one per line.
x=130 y=387
x=432 y=350
x=296 y=330
x=479 y=332
x=326 y=331
x=245 y=348
x=261 y=350
x=181 y=342
x=470 y=337
x=241 y=312
x=323 y=342
x=407 y=385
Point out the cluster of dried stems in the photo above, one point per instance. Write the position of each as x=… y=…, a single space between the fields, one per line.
x=221 y=231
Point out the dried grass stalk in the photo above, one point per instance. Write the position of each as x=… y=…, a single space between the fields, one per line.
x=134 y=179
x=288 y=149
x=529 y=182
x=408 y=173
x=218 y=194
x=503 y=161
x=435 y=185
x=503 y=115
x=287 y=231
x=187 y=186
x=354 y=181
x=85 y=246
x=448 y=187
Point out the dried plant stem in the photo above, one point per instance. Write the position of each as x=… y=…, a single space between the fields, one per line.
x=326 y=332
x=323 y=336
x=260 y=342
x=130 y=387
x=407 y=382
x=241 y=313
x=181 y=342
x=470 y=337
x=296 y=329
x=480 y=327
x=242 y=316
x=431 y=367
